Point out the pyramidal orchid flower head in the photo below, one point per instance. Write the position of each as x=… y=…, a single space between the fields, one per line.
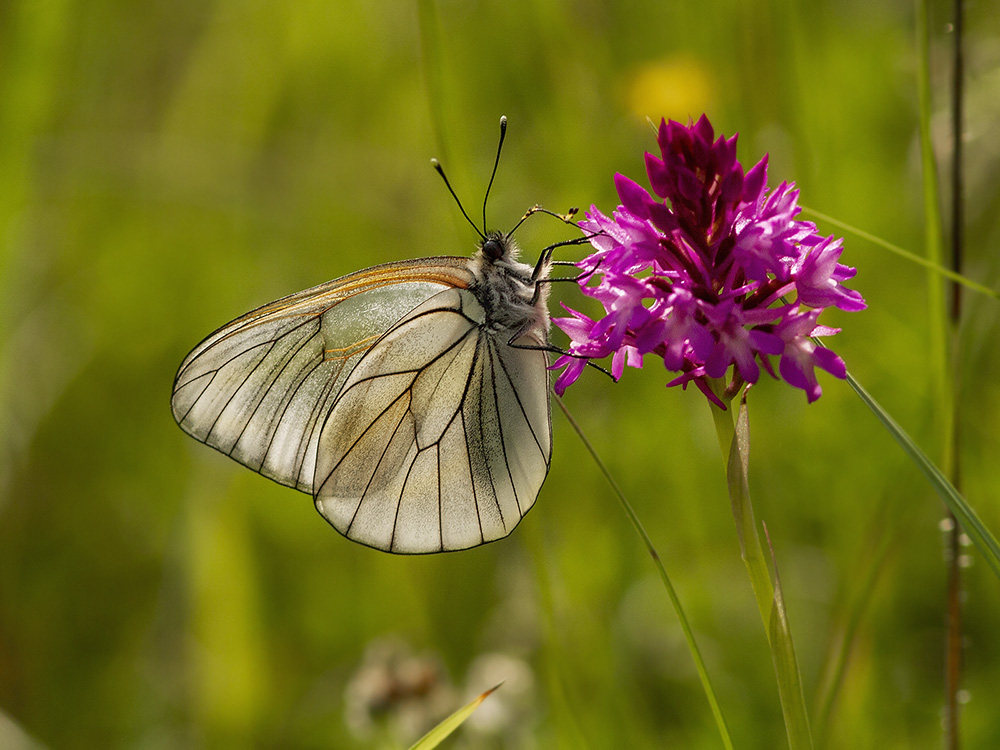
x=711 y=271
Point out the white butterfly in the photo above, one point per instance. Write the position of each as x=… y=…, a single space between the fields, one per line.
x=411 y=399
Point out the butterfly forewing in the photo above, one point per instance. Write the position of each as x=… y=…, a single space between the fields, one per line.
x=260 y=388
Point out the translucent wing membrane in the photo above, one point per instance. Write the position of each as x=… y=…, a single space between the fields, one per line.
x=260 y=388
x=440 y=438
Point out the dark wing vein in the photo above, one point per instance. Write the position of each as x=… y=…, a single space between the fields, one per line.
x=472 y=479
x=371 y=424
x=286 y=398
x=314 y=421
x=399 y=499
x=408 y=392
x=263 y=389
x=385 y=450
x=482 y=437
x=494 y=357
x=520 y=405
x=187 y=365
x=440 y=502
x=465 y=432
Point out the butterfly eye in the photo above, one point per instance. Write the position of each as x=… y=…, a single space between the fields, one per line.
x=493 y=249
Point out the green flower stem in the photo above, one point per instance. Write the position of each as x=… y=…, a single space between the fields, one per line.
x=739 y=495
x=734 y=442
x=699 y=663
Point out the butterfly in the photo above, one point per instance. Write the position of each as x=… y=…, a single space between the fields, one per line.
x=410 y=399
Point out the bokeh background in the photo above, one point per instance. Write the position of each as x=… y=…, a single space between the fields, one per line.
x=166 y=166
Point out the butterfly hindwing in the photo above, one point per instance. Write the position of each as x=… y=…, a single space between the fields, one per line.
x=439 y=439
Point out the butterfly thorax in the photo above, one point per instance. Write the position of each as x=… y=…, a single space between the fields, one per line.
x=512 y=300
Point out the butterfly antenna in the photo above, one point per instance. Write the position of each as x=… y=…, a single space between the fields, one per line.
x=496 y=163
x=440 y=170
x=566 y=218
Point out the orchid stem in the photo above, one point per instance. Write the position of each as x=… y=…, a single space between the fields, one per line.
x=750 y=547
x=734 y=442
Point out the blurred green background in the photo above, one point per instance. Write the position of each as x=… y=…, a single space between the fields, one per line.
x=166 y=166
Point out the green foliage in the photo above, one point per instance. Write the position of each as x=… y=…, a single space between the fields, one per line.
x=167 y=166
x=438 y=734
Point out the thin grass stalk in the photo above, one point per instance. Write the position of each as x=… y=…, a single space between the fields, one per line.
x=860 y=586
x=952 y=462
x=699 y=663
x=563 y=694
x=942 y=328
x=432 y=64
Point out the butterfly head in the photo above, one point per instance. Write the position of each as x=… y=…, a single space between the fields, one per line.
x=496 y=245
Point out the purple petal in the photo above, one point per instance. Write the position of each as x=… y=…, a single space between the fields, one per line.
x=818 y=279
x=659 y=177
x=799 y=373
x=830 y=362
x=618 y=364
x=568 y=376
x=755 y=181
x=703 y=129
x=634 y=196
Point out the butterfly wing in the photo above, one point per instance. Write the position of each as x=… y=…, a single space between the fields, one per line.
x=260 y=388
x=440 y=438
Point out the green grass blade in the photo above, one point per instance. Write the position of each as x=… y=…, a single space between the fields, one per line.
x=434 y=737
x=971 y=523
x=432 y=54
x=857 y=597
x=933 y=235
x=920 y=260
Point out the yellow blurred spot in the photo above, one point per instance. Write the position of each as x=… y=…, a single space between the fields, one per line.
x=676 y=88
